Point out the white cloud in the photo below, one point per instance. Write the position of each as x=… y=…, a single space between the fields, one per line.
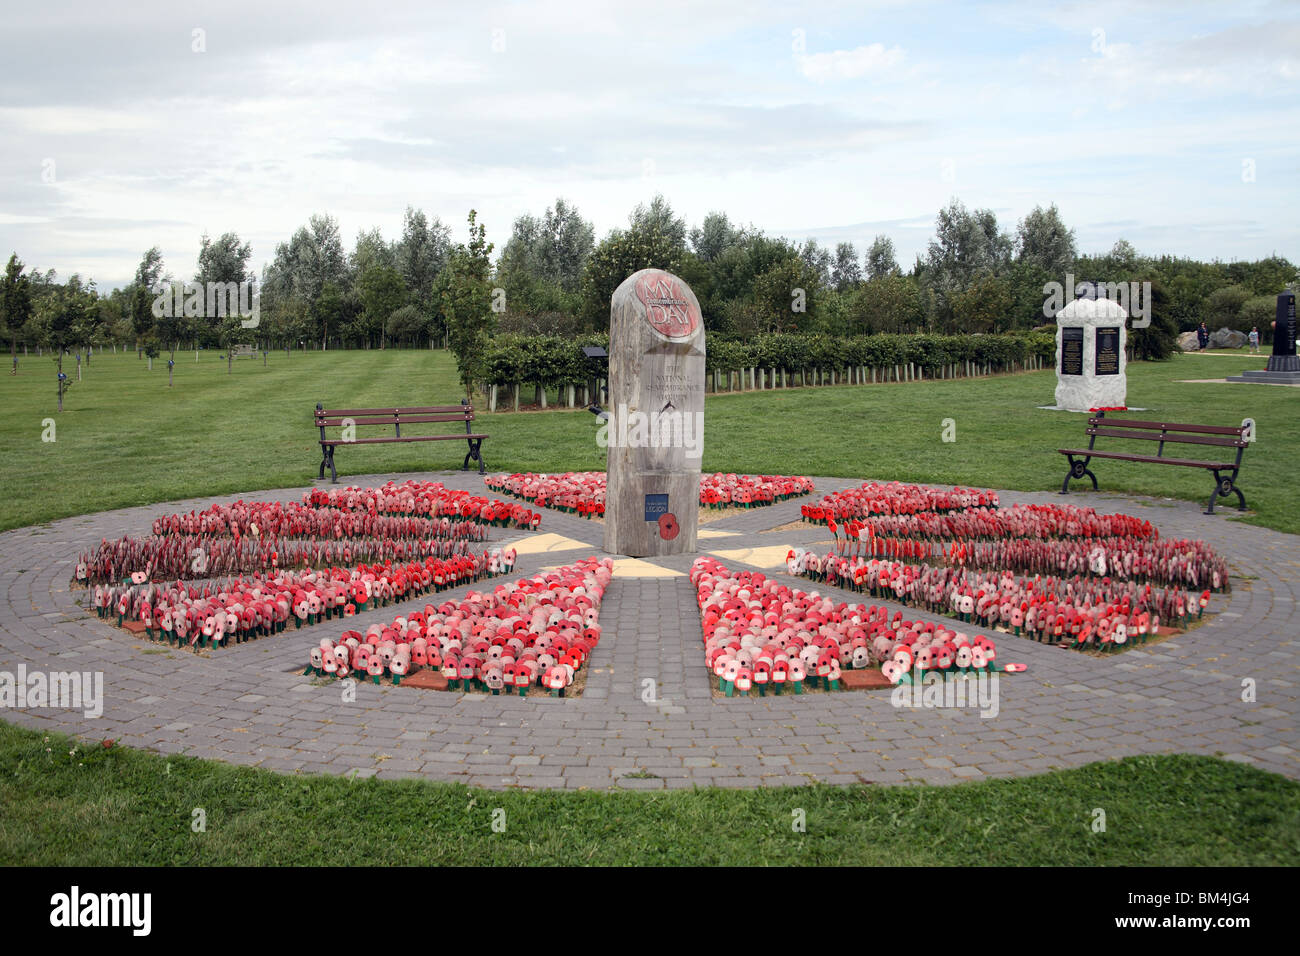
x=358 y=111
x=60 y=120
x=850 y=64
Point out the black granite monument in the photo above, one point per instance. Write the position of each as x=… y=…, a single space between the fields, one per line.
x=1283 y=365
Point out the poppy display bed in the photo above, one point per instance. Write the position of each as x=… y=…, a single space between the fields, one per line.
x=1058 y=574
x=583 y=492
x=533 y=633
x=761 y=637
x=236 y=572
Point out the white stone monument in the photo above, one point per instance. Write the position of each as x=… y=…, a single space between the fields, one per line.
x=655 y=429
x=1091 y=368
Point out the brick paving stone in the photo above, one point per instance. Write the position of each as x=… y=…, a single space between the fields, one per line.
x=249 y=704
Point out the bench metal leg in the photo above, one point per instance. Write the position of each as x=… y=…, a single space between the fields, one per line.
x=1223 y=486
x=327 y=458
x=1078 y=470
x=476 y=453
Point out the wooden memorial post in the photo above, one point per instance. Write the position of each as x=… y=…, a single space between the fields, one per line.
x=655 y=430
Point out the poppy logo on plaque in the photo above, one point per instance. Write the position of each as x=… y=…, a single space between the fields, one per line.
x=667 y=309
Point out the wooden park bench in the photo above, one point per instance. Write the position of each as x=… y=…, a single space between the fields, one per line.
x=353 y=418
x=243 y=351
x=1225 y=472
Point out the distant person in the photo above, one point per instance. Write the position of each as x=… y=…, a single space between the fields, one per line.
x=1203 y=336
x=1254 y=339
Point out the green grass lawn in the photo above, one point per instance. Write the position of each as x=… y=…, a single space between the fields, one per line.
x=125 y=438
x=125 y=807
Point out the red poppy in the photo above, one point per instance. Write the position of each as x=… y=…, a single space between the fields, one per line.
x=668 y=526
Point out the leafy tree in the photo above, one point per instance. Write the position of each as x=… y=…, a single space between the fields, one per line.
x=407 y=324
x=90 y=323
x=966 y=245
x=566 y=241
x=1157 y=341
x=983 y=306
x=1265 y=277
x=421 y=255
x=541 y=267
x=1025 y=281
x=715 y=236
x=371 y=249
x=15 y=304
x=142 y=317
x=1223 y=307
x=224 y=261
x=1187 y=294
x=739 y=265
x=294 y=322
x=1123 y=255
x=847 y=271
x=168 y=329
x=466 y=305
x=1042 y=240
x=1259 y=313
x=658 y=219
x=881 y=260
x=620 y=254
x=891 y=303
x=818 y=259
x=64 y=316
x=312 y=257
x=150 y=270
x=143 y=291
x=381 y=291
x=787 y=295
x=522 y=255
x=327 y=311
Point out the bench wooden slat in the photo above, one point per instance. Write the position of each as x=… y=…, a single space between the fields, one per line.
x=394 y=410
x=1166 y=426
x=1132 y=429
x=377 y=441
x=389 y=420
x=1153 y=459
x=1181 y=437
x=395 y=417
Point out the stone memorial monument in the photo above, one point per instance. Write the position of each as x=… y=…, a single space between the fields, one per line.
x=1283 y=365
x=655 y=429
x=1091 y=367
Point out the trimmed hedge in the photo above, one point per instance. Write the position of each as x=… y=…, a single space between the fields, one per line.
x=546 y=360
x=931 y=353
x=553 y=360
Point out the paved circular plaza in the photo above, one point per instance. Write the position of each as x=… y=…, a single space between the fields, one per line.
x=250 y=704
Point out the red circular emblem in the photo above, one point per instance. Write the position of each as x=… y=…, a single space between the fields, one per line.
x=668 y=526
x=668 y=307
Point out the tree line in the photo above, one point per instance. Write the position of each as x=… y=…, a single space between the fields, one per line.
x=553 y=278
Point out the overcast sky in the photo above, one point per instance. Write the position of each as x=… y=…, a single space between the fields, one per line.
x=1173 y=125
